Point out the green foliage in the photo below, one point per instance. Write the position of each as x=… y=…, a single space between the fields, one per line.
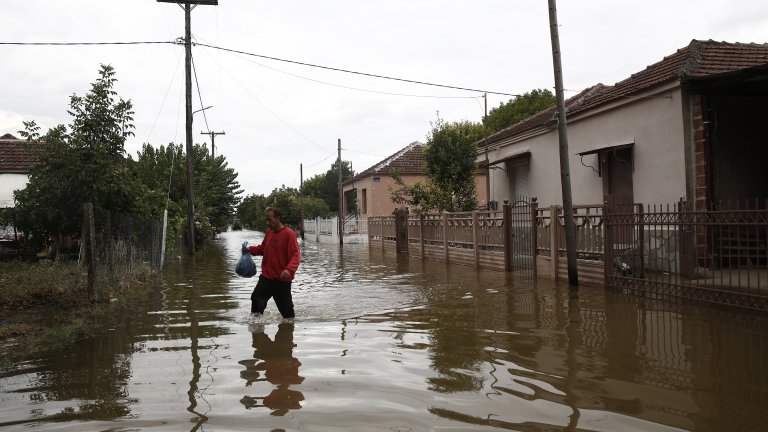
x=326 y=187
x=163 y=171
x=216 y=188
x=82 y=162
x=251 y=212
x=450 y=153
x=517 y=109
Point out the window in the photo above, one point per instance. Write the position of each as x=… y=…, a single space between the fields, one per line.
x=364 y=202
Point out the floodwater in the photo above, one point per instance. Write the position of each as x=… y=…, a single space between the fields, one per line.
x=387 y=343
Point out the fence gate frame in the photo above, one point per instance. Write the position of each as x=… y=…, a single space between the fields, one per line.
x=520 y=236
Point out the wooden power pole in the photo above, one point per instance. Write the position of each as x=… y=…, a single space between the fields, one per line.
x=565 y=170
x=341 y=201
x=213 y=137
x=188 y=5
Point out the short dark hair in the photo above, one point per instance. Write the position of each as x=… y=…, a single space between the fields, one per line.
x=275 y=212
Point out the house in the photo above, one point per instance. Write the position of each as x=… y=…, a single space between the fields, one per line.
x=16 y=158
x=373 y=187
x=690 y=126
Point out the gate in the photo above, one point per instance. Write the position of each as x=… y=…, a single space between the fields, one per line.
x=520 y=247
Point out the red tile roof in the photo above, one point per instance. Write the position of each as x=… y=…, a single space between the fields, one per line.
x=698 y=59
x=409 y=160
x=18 y=155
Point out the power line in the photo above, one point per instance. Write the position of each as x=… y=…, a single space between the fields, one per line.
x=263 y=105
x=354 y=88
x=354 y=72
x=200 y=95
x=89 y=43
x=269 y=58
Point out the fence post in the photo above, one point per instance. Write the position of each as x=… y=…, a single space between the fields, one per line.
x=381 y=230
x=608 y=239
x=534 y=236
x=506 y=220
x=445 y=235
x=475 y=240
x=401 y=230
x=90 y=250
x=421 y=233
x=554 y=241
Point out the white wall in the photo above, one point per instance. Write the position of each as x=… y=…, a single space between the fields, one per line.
x=8 y=184
x=653 y=122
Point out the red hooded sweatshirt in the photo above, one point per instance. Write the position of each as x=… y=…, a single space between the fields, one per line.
x=280 y=250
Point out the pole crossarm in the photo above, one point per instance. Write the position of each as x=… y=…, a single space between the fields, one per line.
x=192 y=2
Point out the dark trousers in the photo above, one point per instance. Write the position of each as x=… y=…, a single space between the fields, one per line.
x=268 y=288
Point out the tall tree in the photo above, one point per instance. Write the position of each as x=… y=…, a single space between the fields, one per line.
x=82 y=162
x=450 y=153
x=329 y=189
x=517 y=109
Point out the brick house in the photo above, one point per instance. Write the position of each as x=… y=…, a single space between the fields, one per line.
x=690 y=126
x=373 y=186
x=16 y=158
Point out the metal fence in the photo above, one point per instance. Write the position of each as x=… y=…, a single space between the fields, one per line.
x=676 y=251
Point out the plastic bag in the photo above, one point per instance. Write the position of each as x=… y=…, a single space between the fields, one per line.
x=245 y=266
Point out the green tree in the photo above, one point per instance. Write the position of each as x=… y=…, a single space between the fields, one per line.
x=517 y=109
x=216 y=187
x=450 y=154
x=82 y=162
x=329 y=189
x=313 y=185
x=163 y=171
x=251 y=212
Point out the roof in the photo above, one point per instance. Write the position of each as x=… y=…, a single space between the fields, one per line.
x=699 y=59
x=18 y=155
x=409 y=160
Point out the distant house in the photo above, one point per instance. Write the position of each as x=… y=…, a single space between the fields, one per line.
x=691 y=126
x=16 y=158
x=373 y=187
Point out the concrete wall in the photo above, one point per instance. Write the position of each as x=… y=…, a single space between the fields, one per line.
x=9 y=183
x=652 y=121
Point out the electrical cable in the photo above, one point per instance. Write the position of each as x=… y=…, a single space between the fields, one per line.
x=267 y=108
x=353 y=88
x=88 y=43
x=269 y=58
x=199 y=95
x=162 y=104
x=354 y=72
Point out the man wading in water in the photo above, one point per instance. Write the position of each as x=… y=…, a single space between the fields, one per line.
x=281 y=260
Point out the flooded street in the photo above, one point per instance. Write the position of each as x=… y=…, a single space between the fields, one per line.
x=387 y=343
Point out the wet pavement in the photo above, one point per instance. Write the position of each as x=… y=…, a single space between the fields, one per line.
x=387 y=343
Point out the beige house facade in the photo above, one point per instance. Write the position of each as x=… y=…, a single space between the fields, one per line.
x=373 y=187
x=686 y=127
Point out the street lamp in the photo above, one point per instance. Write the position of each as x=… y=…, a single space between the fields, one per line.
x=202 y=109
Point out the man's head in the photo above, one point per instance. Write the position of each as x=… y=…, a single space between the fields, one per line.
x=274 y=218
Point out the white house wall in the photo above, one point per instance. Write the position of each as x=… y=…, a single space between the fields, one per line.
x=8 y=183
x=653 y=122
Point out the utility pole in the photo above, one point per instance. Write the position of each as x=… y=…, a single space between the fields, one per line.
x=565 y=170
x=188 y=6
x=213 y=145
x=341 y=202
x=487 y=162
x=301 y=199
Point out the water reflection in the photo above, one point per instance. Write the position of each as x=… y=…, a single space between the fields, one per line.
x=392 y=343
x=274 y=359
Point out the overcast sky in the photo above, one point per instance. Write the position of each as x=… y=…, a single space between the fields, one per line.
x=277 y=115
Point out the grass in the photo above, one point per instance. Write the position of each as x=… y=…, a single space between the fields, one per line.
x=44 y=305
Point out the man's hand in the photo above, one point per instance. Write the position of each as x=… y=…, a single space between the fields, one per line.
x=285 y=275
